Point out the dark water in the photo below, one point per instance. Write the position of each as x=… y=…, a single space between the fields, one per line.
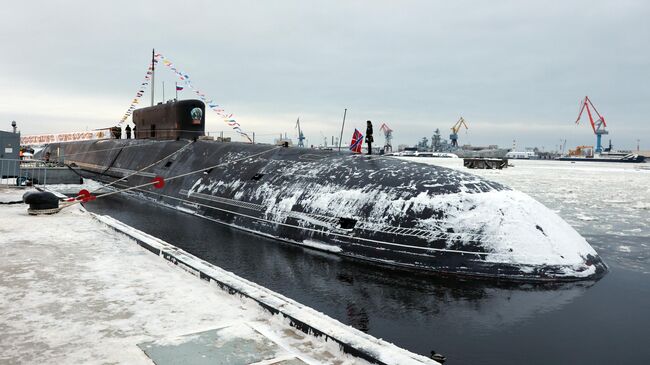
x=607 y=322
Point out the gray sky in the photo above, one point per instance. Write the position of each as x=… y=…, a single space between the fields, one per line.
x=512 y=69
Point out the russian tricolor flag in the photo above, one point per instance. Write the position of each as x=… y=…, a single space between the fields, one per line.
x=179 y=88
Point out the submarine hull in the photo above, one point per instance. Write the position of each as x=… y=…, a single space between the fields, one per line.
x=381 y=209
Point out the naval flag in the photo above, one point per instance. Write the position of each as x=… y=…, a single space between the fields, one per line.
x=357 y=141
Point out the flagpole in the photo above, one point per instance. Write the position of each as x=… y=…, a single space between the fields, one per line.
x=176 y=88
x=163 y=99
x=153 y=73
x=343 y=126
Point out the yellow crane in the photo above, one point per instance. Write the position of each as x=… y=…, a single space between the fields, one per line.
x=454 y=135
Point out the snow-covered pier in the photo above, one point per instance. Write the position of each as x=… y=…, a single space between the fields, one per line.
x=76 y=288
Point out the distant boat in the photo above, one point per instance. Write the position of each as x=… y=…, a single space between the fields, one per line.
x=586 y=153
x=521 y=155
x=606 y=157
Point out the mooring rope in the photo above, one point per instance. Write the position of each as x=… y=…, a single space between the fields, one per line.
x=158 y=181
x=144 y=168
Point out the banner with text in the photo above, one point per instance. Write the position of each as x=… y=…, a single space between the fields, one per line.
x=40 y=139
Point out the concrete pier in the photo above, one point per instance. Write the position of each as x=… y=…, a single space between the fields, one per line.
x=73 y=290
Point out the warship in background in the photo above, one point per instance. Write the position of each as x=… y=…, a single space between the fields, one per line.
x=467 y=151
x=442 y=148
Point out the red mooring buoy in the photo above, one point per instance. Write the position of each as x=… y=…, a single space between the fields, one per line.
x=159 y=182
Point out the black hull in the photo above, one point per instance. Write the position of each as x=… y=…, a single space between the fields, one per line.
x=266 y=190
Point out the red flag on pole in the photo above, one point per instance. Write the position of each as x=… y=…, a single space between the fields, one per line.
x=357 y=141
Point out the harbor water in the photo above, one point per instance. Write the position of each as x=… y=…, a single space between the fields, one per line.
x=471 y=322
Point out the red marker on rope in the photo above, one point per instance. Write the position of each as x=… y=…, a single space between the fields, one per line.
x=84 y=196
x=159 y=182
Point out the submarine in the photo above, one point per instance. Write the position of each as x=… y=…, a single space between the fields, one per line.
x=392 y=212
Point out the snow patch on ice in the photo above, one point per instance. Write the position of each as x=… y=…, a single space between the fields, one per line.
x=584 y=217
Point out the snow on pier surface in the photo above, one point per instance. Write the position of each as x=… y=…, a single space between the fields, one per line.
x=72 y=290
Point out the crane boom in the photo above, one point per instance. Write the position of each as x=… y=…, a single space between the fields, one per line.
x=301 y=137
x=385 y=128
x=459 y=123
x=594 y=125
x=388 y=134
x=598 y=126
x=455 y=128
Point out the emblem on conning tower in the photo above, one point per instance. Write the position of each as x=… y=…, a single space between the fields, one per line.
x=196 y=115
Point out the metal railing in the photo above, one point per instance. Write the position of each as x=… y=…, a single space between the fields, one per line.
x=24 y=172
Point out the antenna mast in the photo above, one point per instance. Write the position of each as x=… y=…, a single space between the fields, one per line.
x=345 y=112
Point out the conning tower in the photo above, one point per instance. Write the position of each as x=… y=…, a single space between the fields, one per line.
x=183 y=119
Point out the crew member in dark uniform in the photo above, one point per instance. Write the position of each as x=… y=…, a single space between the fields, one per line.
x=369 y=138
x=128 y=131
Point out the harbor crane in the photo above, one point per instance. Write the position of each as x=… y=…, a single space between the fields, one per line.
x=301 y=137
x=456 y=127
x=598 y=126
x=388 y=134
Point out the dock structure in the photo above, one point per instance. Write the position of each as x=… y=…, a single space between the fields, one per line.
x=16 y=172
x=81 y=289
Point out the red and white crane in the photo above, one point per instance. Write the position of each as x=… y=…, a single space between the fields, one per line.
x=598 y=126
x=388 y=133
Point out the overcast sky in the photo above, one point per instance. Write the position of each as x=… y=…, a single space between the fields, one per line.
x=515 y=70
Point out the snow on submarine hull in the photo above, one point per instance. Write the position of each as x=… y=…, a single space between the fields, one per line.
x=381 y=209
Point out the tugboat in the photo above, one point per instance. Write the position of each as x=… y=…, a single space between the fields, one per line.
x=375 y=208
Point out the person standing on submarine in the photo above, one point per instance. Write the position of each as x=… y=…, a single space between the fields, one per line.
x=369 y=138
x=128 y=131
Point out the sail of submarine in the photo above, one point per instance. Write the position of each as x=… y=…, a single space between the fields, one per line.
x=381 y=209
